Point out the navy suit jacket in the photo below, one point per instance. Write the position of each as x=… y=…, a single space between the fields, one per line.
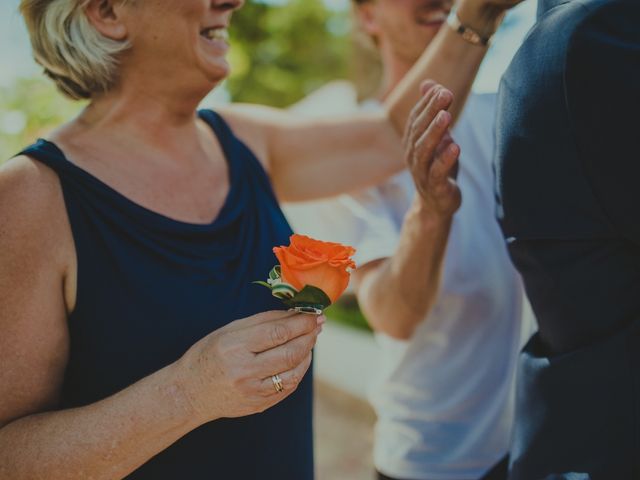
x=568 y=186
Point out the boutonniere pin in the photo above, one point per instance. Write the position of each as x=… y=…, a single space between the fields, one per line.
x=311 y=275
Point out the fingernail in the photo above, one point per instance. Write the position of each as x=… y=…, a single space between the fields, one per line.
x=444 y=94
x=426 y=86
x=321 y=319
x=442 y=117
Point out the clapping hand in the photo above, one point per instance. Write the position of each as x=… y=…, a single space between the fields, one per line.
x=431 y=154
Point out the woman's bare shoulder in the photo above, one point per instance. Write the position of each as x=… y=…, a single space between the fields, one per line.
x=32 y=210
x=29 y=190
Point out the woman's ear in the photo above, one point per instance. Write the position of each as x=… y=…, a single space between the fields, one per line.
x=106 y=18
x=367 y=19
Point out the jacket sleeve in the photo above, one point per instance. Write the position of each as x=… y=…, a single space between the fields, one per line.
x=602 y=82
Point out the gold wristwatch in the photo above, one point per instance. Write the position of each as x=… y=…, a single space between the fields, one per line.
x=467 y=33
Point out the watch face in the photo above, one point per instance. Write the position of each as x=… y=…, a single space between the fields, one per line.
x=465 y=32
x=471 y=36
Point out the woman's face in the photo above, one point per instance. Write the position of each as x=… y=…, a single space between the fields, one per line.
x=180 y=40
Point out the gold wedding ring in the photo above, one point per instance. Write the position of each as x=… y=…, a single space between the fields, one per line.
x=277 y=383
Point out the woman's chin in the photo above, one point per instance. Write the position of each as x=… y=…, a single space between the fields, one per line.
x=216 y=71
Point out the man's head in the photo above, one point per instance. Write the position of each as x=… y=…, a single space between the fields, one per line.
x=402 y=29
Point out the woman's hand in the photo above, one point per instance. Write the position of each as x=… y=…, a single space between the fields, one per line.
x=229 y=372
x=431 y=154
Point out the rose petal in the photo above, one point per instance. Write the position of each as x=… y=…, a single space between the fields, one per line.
x=321 y=264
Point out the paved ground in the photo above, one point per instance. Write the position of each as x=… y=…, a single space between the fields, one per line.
x=343 y=435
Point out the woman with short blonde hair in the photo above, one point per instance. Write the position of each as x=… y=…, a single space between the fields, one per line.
x=75 y=55
x=133 y=342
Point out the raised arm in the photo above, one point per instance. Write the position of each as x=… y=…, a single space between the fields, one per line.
x=396 y=293
x=311 y=158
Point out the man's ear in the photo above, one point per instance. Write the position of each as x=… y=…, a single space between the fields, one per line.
x=366 y=16
x=106 y=18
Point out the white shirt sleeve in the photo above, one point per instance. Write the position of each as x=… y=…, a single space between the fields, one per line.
x=375 y=233
x=369 y=220
x=362 y=220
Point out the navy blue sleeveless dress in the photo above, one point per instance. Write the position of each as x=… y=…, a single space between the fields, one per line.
x=149 y=287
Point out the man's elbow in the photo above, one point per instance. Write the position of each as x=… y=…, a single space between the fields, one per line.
x=400 y=331
x=392 y=323
x=384 y=309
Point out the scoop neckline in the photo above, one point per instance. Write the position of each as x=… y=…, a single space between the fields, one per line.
x=152 y=214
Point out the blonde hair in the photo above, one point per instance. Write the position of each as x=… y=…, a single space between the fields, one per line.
x=79 y=59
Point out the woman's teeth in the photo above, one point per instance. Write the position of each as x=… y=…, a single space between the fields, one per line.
x=439 y=17
x=436 y=17
x=216 y=34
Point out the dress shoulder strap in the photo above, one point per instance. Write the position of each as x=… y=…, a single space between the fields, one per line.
x=49 y=154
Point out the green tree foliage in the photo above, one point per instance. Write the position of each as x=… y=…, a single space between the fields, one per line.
x=282 y=53
x=29 y=108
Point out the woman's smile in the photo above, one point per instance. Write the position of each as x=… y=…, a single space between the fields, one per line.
x=216 y=38
x=434 y=18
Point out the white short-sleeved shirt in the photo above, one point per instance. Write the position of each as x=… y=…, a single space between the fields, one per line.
x=444 y=399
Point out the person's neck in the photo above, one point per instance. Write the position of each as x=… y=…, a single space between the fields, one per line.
x=144 y=113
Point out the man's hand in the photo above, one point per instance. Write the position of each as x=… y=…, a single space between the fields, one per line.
x=431 y=154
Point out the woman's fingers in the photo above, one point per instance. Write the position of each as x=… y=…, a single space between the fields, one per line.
x=289 y=379
x=260 y=318
x=285 y=357
x=269 y=335
x=225 y=371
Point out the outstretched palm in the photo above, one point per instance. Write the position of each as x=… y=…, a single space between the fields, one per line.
x=431 y=154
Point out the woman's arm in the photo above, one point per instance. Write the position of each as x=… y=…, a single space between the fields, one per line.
x=332 y=156
x=310 y=159
x=226 y=374
x=314 y=158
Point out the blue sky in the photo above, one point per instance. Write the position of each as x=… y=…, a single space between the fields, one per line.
x=15 y=53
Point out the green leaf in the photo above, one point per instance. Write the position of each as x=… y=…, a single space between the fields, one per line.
x=310 y=296
x=283 y=291
x=264 y=284
x=275 y=273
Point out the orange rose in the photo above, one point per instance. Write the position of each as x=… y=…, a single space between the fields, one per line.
x=320 y=264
